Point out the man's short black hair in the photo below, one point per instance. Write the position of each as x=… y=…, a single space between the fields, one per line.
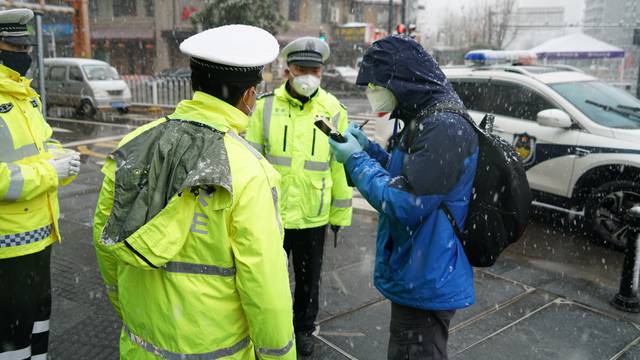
x=227 y=83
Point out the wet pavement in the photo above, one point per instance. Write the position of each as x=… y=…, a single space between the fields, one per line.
x=546 y=298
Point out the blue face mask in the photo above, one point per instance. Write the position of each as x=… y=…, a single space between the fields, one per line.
x=18 y=61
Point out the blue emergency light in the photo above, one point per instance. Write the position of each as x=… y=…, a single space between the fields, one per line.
x=490 y=57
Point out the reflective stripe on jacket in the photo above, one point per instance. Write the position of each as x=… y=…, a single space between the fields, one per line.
x=214 y=283
x=314 y=186
x=28 y=184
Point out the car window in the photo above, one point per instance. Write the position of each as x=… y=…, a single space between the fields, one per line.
x=473 y=94
x=501 y=98
x=100 y=72
x=75 y=74
x=602 y=103
x=57 y=73
x=517 y=101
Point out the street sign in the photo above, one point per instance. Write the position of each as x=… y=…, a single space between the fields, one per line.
x=356 y=33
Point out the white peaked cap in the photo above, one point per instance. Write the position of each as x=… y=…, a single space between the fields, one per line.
x=233 y=45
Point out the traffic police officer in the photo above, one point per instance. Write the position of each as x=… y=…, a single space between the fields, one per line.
x=187 y=229
x=314 y=186
x=32 y=166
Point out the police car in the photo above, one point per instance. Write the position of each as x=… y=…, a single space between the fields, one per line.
x=579 y=138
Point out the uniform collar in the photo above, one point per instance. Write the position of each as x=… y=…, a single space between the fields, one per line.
x=11 y=82
x=282 y=93
x=211 y=111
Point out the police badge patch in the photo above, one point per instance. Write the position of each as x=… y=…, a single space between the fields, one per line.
x=34 y=103
x=5 y=108
x=525 y=146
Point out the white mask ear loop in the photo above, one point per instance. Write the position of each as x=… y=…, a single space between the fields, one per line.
x=249 y=109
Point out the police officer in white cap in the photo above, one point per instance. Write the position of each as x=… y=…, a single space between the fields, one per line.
x=195 y=267
x=315 y=192
x=32 y=167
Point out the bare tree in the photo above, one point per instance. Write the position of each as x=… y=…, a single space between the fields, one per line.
x=504 y=29
x=488 y=24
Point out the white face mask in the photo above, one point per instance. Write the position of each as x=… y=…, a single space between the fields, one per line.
x=305 y=85
x=381 y=99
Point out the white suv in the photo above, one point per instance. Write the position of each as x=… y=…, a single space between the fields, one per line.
x=578 y=137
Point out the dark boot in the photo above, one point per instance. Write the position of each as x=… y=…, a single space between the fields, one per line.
x=304 y=343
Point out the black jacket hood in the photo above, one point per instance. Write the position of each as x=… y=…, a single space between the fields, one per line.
x=403 y=66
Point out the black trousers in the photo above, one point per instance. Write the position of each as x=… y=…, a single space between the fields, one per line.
x=25 y=305
x=306 y=247
x=418 y=334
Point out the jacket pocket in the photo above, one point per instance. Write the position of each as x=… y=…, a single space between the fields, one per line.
x=318 y=197
x=400 y=258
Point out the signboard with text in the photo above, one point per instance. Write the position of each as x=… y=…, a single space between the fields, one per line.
x=354 y=33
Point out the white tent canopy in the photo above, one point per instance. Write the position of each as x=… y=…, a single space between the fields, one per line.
x=577 y=46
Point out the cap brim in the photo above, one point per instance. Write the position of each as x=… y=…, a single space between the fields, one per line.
x=306 y=63
x=20 y=40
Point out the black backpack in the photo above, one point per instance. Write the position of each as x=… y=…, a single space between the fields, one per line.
x=501 y=198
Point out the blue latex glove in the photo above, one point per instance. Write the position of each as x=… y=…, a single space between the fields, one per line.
x=344 y=150
x=359 y=135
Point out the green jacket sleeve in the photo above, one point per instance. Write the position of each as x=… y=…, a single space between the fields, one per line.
x=254 y=131
x=21 y=182
x=261 y=271
x=107 y=262
x=341 y=193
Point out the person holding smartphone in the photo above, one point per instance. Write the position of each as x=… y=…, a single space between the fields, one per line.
x=314 y=186
x=421 y=266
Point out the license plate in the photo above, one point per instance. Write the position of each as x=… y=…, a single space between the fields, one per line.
x=117 y=104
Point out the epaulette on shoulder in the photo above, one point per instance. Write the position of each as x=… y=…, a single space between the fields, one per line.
x=263 y=95
x=344 y=106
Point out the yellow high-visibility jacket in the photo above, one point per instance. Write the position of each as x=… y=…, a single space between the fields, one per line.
x=314 y=185
x=219 y=286
x=28 y=183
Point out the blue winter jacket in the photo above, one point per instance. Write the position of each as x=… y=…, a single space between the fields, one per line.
x=419 y=261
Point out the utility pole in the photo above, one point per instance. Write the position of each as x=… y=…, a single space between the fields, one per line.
x=490 y=27
x=636 y=42
x=81 y=32
x=85 y=32
x=404 y=13
x=390 y=31
x=40 y=63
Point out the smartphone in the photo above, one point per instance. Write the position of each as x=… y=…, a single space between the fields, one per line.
x=325 y=126
x=322 y=123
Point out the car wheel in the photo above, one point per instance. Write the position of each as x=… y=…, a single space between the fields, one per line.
x=607 y=207
x=86 y=108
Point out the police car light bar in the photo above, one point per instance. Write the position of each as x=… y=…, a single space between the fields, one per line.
x=490 y=57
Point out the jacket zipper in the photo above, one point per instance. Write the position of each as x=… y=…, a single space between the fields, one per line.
x=313 y=144
x=284 y=143
x=321 y=198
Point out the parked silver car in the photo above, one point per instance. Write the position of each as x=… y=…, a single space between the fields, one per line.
x=85 y=84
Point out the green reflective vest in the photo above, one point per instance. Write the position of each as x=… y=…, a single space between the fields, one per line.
x=206 y=277
x=314 y=186
x=28 y=184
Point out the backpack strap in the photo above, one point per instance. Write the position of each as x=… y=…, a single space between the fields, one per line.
x=445 y=106
x=454 y=224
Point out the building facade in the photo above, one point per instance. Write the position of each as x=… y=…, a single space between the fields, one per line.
x=614 y=21
x=141 y=36
x=535 y=25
